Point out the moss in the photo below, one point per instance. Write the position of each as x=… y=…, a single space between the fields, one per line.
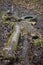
x=7 y=22
x=34 y=0
x=38 y=41
x=5 y=16
x=15 y=48
x=9 y=40
x=11 y=24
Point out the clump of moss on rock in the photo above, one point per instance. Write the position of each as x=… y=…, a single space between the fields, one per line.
x=38 y=41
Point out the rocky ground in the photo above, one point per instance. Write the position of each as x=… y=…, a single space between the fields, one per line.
x=30 y=43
